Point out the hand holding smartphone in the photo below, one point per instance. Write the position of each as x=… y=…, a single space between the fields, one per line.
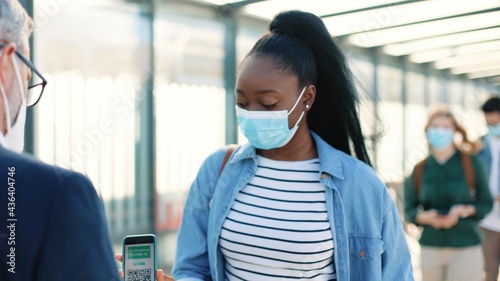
x=139 y=257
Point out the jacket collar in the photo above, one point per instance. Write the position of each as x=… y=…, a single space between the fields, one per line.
x=330 y=159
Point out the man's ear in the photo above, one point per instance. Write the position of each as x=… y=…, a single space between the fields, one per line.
x=6 y=53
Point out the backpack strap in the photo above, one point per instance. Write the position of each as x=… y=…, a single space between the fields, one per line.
x=418 y=173
x=228 y=154
x=470 y=175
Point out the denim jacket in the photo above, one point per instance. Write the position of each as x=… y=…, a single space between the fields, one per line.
x=486 y=158
x=485 y=154
x=368 y=235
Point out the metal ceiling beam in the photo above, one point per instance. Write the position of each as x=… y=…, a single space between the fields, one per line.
x=438 y=52
x=448 y=41
x=494 y=79
x=237 y=5
x=401 y=3
x=475 y=67
x=422 y=36
x=427 y=21
x=230 y=8
x=465 y=60
x=484 y=73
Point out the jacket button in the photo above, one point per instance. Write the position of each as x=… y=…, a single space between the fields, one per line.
x=362 y=253
x=324 y=176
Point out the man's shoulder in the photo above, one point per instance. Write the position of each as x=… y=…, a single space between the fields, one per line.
x=32 y=169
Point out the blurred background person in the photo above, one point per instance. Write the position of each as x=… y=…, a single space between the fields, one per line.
x=490 y=156
x=448 y=194
x=53 y=224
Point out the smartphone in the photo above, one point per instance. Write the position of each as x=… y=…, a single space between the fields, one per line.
x=139 y=257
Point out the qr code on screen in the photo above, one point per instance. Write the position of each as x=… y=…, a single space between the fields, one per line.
x=139 y=275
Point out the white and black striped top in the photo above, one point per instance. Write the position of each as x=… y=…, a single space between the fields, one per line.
x=278 y=228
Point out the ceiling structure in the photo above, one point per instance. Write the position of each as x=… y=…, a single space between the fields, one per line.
x=461 y=36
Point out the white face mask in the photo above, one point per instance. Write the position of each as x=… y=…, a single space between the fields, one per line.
x=15 y=132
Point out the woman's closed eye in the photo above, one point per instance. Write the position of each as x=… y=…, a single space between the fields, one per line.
x=269 y=106
x=244 y=105
x=241 y=104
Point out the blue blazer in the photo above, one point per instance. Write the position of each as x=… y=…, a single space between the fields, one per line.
x=56 y=229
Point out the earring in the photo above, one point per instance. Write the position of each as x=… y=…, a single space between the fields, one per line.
x=307 y=106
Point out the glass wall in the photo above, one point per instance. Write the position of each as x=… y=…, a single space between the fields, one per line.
x=390 y=147
x=189 y=104
x=93 y=54
x=95 y=57
x=363 y=72
x=415 y=147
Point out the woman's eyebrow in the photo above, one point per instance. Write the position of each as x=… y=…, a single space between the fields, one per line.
x=267 y=91
x=259 y=92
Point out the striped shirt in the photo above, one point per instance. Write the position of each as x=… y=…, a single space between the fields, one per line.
x=278 y=228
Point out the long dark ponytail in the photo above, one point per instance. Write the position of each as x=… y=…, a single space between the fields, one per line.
x=299 y=43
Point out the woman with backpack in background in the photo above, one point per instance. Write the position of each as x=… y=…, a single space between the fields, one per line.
x=448 y=194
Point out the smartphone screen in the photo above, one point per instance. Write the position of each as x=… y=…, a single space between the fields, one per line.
x=140 y=262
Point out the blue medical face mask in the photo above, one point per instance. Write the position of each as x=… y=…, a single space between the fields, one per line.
x=267 y=129
x=494 y=131
x=440 y=138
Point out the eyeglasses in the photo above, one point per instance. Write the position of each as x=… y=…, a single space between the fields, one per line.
x=37 y=82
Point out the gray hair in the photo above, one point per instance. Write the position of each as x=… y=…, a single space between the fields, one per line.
x=15 y=24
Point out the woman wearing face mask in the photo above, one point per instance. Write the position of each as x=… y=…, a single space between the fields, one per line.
x=448 y=194
x=293 y=203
